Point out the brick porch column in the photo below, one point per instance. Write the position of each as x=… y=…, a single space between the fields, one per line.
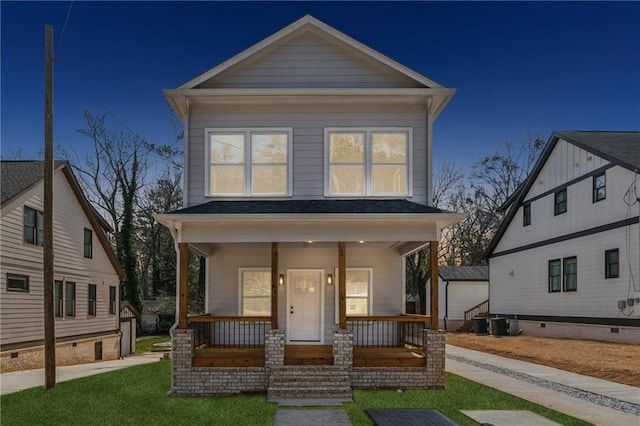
x=274 y=348
x=434 y=349
x=181 y=354
x=343 y=348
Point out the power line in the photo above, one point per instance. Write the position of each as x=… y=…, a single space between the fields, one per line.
x=64 y=27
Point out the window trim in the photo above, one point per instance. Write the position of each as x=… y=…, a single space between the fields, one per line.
x=37 y=231
x=71 y=308
x=526 y=214
x=88 y=253
x=595 y=188
x=247 y=164
x=336 y=279
x=549 y=276
x=24 y=278
x=241 y=270
x=565 y=275
x=368 y=161
x=92 y=304
x=113 y=298
x=556 y=204
x=607 y=264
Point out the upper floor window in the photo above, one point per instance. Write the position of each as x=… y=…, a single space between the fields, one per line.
x=599 y=187
x=526 y=215
x=17 y=283
x=88 y=243
x=560 y=202
x=112 y=300
x=248 y=162
x=33 y=226
x=612 y=263
x=255 y=291
x=91 y=307
x=368 y=162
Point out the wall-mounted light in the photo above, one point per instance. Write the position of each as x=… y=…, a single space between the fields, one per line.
x=329 y=279
x=281 y=280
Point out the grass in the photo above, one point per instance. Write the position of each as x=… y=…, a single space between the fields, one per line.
x=137 y=395
x=145 y=344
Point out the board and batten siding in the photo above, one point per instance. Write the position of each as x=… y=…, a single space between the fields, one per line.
x=519 y=281
x=310 y=61
x=308 y=123
x=582 y=213
x=21 y=316
x=223 y=290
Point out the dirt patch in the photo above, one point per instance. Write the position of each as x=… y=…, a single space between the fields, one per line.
x=610 y=361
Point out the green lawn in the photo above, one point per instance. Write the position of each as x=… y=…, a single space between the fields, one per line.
x=145 y=344
x=137 y=396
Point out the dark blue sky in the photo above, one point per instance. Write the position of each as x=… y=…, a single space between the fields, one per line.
x=518 y=67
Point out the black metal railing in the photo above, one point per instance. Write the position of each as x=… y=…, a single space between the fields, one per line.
x=388 y=331
x=229 y=332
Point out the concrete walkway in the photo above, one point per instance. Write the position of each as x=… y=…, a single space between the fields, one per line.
x=594 y=400
x=20 y=380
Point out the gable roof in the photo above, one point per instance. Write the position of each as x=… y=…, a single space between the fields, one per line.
x=464 y=273
x=618 y=147
x=309 y=23
x=20 y=176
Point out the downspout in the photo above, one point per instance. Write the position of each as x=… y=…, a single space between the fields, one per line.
x=174 y=233
x=185 y=152
x=446 y=304
x=429 y=153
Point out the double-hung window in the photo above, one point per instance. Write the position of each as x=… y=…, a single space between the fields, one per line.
x=88 y=243
x=33 y=226
x=112 y=300
x=612 y=263
x=526 y=215
x=248 y=162
x=358 y=290
x=255 y=291
x=599 y=187
x=570 y=274
x=91 y=307
x=560 y=202
x=57 y=299
x=555 y=277
x=70 y=299
x=368 y=162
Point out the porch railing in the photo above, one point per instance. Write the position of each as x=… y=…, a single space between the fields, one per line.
x=229 y=332
x=480 y=310
x=403 y=331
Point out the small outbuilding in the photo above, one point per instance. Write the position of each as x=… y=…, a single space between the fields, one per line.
x=129 y=320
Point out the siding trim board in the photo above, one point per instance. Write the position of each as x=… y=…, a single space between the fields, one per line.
x=568 y=184
x=626 y=322
x=583 y=233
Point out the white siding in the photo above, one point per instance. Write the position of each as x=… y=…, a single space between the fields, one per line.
x=463 y=295
x=386 y=264
x=21 y=316
x=526 y=290
x=308 y=123
x=309 y=60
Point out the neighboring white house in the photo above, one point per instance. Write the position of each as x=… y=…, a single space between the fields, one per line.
x=129 y=320
x=565 y=261
x=460 y=288
x=307 y=181
x=86 y=272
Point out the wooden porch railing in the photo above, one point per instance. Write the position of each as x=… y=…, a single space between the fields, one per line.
x=480 y=310
x=229 y=332
x=388 y=331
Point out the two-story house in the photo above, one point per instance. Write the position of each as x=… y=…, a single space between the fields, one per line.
x=565 y=261
x=307 y=181
x=86 y=272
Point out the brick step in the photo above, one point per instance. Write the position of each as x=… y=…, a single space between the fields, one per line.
x=297 y=393
x=309 y=385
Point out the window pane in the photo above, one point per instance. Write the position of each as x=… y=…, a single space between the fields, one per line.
x=112 y=300
x=29 y=225
x=227 y=179
x=17 y=282
x=57 y=298
x=554 y=276
x=269 y=148
x=227 y=149
x=256 y=283
x=70 y=299
x=389 y=147
x=356 y=306
x=269 y=179
x=389 y=179
x=346 y=148
x=570 y=274
x=88 y=237
x=40 y=232
x=347 y=179
x=256 y=306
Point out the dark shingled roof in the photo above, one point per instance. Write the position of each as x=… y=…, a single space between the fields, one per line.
x=619 y=147
x=18 y=176
x=464 y=273
x=308 y=206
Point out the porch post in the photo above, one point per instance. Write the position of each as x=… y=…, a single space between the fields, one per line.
x=274 y=286
x=184 y=276
x=433 y=264
x=342 y=285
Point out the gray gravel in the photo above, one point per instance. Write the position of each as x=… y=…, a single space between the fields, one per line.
x=605 y=401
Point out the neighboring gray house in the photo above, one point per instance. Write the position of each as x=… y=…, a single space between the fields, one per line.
x=86 y=272
x=565 y=261
x=460 y=289
x=307 y=182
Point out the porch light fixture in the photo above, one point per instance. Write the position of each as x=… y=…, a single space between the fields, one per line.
x=329 y=279
x=281 y=280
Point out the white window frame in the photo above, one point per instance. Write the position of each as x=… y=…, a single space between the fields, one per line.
x=337 y=292
x=241 y=271
x=248 y=181
x=368 y=161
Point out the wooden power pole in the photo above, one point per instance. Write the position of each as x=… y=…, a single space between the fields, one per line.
x=49 y=320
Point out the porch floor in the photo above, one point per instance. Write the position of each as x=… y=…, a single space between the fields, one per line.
x=217 y=357
x=388 y=357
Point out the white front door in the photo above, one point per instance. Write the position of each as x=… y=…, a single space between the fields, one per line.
x=305 y=305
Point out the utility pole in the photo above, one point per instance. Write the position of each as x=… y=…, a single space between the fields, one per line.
x=49 y=320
